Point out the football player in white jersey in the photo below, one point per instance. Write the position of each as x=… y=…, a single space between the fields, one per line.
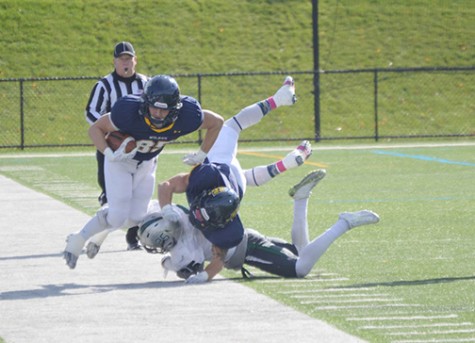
x=186 y=250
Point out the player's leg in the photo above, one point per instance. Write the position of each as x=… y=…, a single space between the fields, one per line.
x=119 y=184
x=316 y=248
x=100 y=178
x=270 y=255
x=260 y=175
x=143 y=187
x=252 y=114
x=300 y=193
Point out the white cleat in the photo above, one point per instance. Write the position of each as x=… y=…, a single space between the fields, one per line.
x=359 y=218
x=92 y=249
x=285 y=96
x=73 y=249
x=303 y=189
x=298 y=156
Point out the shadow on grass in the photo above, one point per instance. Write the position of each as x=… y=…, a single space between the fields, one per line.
x=411 y=282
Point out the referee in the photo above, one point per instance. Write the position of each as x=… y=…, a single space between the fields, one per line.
x=122 y=81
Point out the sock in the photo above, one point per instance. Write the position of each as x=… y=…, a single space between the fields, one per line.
x=258 y=176
x=92 y=227
x=99 y=238
x=316 y=248
x=252 y=114
x=299 y=231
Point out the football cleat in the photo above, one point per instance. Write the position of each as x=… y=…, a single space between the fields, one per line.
x=132 y=239
x=73 y=249
x=134 y=246
x=303 y=189
x=359 y=218
x=92 y=249
x=285 y=96
x=298 y=156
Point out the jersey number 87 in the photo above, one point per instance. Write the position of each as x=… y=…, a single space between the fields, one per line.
x=146 y=146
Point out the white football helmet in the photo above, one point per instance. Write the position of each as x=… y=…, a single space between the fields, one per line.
x=158 y=234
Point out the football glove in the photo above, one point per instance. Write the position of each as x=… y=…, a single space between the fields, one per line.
x=201 y=277
x=191 y=269
x=120 y=154
x=194 y=158
x=171 y=213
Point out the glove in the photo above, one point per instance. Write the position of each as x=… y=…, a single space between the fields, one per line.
x=201 y=277
x=194 y=158
x=191 y=269
x=171 y=213
x=120 y=154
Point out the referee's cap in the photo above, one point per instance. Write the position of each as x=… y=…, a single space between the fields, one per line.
x=123 y=48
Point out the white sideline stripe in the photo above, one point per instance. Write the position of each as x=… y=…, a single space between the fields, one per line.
x=443 y=340
x=315 y=148
x=363 y=306
x=351 y=301
x=339 y=296
x=415 y=326
x=306 y=280
x=327 y=290
x=443 y=332
x=402 y=318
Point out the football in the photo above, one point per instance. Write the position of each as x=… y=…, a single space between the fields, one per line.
x=115 y=138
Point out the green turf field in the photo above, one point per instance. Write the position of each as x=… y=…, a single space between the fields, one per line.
x=409 y=278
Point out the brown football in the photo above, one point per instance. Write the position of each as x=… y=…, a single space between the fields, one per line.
x=115 y=138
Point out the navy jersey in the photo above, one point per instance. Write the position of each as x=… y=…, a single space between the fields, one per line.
x=125 y=115
x=208 y=176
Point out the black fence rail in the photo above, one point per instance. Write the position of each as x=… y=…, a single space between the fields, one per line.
x=364 y=104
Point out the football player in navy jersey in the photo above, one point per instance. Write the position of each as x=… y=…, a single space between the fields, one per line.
x=122 y=81
x=186 y=249
x=215 y=188
x=158 y=116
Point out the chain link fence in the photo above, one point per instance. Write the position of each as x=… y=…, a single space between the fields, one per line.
x=371 y=104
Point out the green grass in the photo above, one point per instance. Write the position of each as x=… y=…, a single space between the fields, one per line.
x=418 y=261
x=75 y=38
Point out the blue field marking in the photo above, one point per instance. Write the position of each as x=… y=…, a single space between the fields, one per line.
x=423 y=158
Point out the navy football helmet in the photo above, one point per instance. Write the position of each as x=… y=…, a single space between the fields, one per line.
x=213 y=209
x=161 y=91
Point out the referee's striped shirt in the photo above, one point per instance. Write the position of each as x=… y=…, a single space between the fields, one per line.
x=110 y=88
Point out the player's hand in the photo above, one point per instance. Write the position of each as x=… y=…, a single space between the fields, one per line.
x=166 y=265
x=194 y=158
x=120 y=154
x=201 y=277
x=171 y=213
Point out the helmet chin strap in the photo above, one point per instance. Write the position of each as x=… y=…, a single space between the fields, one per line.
x=156 y=129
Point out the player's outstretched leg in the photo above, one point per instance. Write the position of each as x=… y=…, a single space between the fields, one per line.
x=259 y=175
x=252 y=114
x=355 y=219
x=316 y=248
x=300 y=193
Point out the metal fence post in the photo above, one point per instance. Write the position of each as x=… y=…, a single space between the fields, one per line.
x=376 y=130
x=22 y=116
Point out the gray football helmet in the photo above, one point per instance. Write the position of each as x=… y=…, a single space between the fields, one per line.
x=157 y=234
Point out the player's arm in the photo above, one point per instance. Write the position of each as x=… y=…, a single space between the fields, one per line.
x=212 y=269
x=98 y=130
x=176 y=184
x=217 y=262
x=212 y=123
